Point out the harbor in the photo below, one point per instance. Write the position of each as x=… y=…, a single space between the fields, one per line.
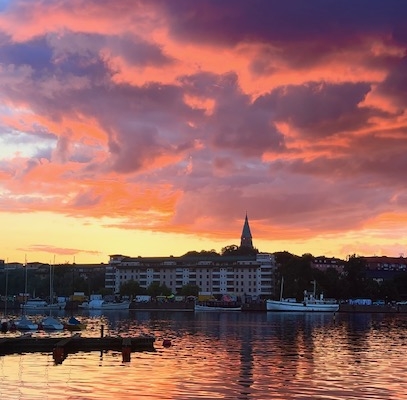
x=229 y=355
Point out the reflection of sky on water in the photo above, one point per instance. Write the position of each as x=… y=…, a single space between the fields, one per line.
x=231 y=355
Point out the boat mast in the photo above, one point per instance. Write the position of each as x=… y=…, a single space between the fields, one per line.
x=51 y=294
x=25 y=284
x=281 y=288
x=6 y=300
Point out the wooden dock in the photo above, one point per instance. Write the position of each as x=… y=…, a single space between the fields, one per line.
x=61 y=347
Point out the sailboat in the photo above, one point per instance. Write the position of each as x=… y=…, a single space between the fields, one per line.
x=25 y=324
x=5 y=323
x=51 y=323
x=310 y=303
x=73 y=324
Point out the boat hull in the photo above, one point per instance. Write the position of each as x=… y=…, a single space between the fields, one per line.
x=74 y=327
x=216 y=308
x=275 y=305
x=24 y=324
x=42 y=306
x=51 y=324
x=105 y=306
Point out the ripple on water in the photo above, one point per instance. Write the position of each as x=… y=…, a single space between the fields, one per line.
x=219 y=355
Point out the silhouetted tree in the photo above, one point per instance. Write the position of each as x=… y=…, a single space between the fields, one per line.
x=189 y=290
x=131 y=288
x=355 y=277
x=234 y=250
x=155 y=289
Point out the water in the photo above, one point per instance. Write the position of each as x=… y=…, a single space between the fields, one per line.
x=229 y=355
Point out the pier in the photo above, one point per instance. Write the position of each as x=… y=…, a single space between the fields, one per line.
x=61 y=347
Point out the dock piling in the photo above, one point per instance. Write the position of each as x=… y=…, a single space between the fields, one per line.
x=126 y=349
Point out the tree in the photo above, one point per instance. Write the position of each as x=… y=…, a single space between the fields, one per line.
x=229 y=250
x=355 y=277
x=189 y=290
x=297 y=273
x=234 y=250
x=330 y=282
x=155 y=289
x=202 y=253
x=131 y=288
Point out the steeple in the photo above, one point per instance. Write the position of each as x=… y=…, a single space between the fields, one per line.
x=246 y=238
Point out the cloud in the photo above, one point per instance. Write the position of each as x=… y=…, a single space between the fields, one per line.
x=179 y=117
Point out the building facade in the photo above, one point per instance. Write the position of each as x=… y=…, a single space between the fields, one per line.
x=240 y=275
x=323 y=263
x=249 y=275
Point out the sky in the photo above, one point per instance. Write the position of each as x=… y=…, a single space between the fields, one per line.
x=151 y=128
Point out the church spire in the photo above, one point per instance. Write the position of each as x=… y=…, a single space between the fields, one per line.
x=246 y=238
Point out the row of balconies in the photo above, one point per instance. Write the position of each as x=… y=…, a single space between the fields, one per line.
x=263 y=278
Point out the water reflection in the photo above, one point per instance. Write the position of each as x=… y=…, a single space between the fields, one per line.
x=225 y=355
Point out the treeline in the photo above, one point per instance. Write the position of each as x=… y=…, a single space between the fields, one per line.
x=65 y=281
x=353 y=282
x=298 y=273
x=133 y=288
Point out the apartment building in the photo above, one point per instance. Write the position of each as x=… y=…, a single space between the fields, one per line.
x=323 y=263
x=250 y=275
x=240 y=275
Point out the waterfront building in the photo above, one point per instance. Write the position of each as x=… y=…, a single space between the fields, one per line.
x=383 y=268
x=323 y=263
x=245 y=275
x=384 y=263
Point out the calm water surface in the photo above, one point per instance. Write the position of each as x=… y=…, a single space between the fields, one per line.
x=229 y=355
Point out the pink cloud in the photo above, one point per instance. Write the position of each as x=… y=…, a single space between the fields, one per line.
x=193 y=113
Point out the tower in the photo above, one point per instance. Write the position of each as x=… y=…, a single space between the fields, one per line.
x=246 y=238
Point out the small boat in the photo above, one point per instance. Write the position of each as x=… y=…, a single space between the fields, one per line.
x=105 y=305
x=51 y=324
x=217 y=306
x=25 y=324
x=42 y=305
x=310 y=303
x=73 y=324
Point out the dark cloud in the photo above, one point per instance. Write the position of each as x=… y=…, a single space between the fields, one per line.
x=307 y=154
x=34 y=53
x=395 y=84
x=320 y=109
x=139 y=52
x=372 y=161
x=235 y=124
x=233 y=21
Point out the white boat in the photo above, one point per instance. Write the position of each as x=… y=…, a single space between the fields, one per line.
x=217 y=306
x=42 y=305
x=310 y=303
x=51 y=324
x=105 y=305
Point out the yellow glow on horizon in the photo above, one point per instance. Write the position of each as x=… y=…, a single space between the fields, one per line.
x=41 y=236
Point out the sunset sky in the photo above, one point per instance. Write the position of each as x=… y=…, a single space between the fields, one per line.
x=151 y=127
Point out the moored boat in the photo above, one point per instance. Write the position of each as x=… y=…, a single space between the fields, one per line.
x=42 y=305
x=25 y=324
x=217 y=306
x=105 y=305
x=306 y=305
x=73 y=324
x=51 y=324
x=310 y=303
